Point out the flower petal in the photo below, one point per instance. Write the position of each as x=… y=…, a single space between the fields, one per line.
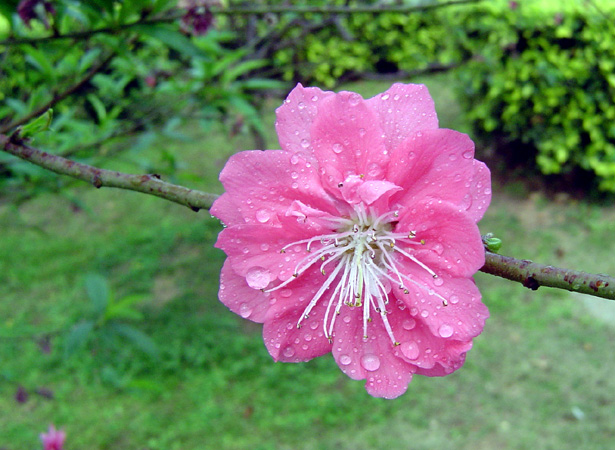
x=296 y=115
x=347 y=140
x=434 y=163
x=239 y=297
x=480 y=191
x=284 y=340
x=452 y=241
x=450 y=307
x=403 y=110
x=372 y=359
x=263 y=185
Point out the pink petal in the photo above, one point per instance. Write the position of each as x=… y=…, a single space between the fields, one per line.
x=225 y=209
x=480 y=191
x=373 y=359
x=403 y=110
x=263 y=184
x=450 y=307
x=453 y=243
x=234 y=292
x=284 y=340
x=428 y=354
x=434 y=163
x=296 y=115
x=347 y=140
x=255 y=251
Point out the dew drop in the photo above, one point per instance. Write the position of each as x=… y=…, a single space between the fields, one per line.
x=468 y=154
x=337 y=148
x=294 y=175
x=295 y=159
x=438 y=248
x=438 y=281
x=445 y=330
x=424 y=313
x=354 y=99
x=396 y=97
x=305 y=143
x=454 y=299
x=289 y=352
x=362 y=132
x=301 y=105
x=264 y=247
x=370 y=362
x=384 y=96
x=295 y=185
x=263 y=216
x=315 y=98
x=410 y=349
x=245 y=310
x=346 y=319
x=258 y=277
x=286 y=293
x=409 y=324
x=345 y=360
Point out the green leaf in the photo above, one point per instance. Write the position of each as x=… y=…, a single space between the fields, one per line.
x=77 y=337
x=139 y=339
x=41 y=123
x=172 y=38
x=123 y=308
x=98 y=291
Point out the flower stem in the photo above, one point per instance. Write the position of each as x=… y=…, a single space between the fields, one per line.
x=533 y=275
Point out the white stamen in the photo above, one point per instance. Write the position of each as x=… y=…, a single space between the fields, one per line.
x=364 y=250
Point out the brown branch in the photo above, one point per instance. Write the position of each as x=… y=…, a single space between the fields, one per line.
x=147 y=184
x=533 y=275
x=57 y=98
x=240 y=11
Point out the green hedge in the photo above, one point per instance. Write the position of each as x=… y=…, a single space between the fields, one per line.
x=545 y=80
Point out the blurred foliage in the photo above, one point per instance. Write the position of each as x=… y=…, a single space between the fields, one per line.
x=143 y=76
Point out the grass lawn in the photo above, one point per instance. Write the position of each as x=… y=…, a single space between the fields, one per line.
x=539 y=377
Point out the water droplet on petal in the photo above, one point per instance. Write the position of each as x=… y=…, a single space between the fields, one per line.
x=245 y=310
x=409 y=324
x=362 y=132
x=262 y=215
x=438 y=281
x=384 y=96
x=454 y=299
x=315 y=98
x=258 y=277
x=295 y=159
x=410 y=349
x=337 y=148
x=445 y=330
x=424 y=313
x=438 y=248
x=289 y=352
x=286 y=293
x=370 y=362
x=346 y=319
x=345 y=360
x=305 y=143
x=301 y=105
x=354 y=99
x=468 y=154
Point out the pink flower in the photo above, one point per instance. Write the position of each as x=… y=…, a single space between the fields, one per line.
x=359 y=237
x=53 y=439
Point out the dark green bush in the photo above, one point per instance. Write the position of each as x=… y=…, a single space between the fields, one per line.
x=544 y=82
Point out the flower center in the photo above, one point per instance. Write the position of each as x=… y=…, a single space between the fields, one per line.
x=360 y=261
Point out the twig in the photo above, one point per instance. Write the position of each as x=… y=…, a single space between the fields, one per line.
x=533 y=275
x=148 y=184
x=239 y=11
x=57 y=98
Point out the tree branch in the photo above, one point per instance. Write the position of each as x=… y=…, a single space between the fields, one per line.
x=148 y=184
x=533 y=275
x=240 y=11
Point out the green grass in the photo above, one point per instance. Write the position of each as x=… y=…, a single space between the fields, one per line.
x=539 y=377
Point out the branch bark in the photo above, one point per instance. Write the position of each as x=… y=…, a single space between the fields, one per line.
x=147 y=184
x=533 y=275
